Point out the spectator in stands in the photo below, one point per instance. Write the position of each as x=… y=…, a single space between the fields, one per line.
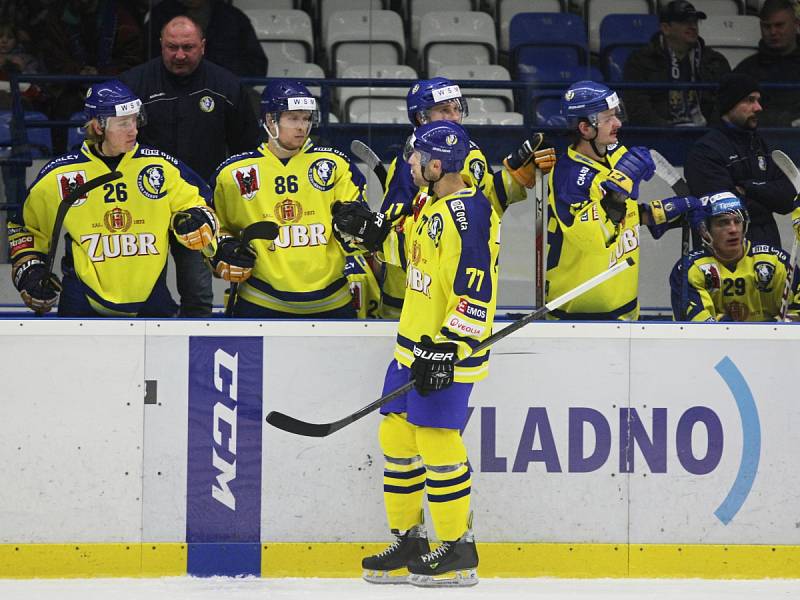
x=777 y=60
x=230 y=38
x=86 y=37
x=199 y=113
x=675 y=54
x=734 y=157
x=14 y=58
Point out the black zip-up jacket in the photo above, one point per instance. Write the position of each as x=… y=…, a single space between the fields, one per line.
x=781 y=107
x=201 y=119
x=729 y=156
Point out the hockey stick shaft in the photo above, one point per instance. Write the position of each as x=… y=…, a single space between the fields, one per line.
x=367 y=155
x=787 y=288
x=787 y=166
x=539 y=236
x=261 y=230
x=298 y=427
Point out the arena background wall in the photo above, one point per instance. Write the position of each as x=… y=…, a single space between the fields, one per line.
x=139 y=448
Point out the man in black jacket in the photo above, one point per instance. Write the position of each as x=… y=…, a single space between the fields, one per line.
x=199 y=113
x=733 y=157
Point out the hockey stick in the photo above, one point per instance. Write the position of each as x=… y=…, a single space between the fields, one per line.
x=789 y=169
x=667 y=173
x=260 y=230
x=366 y=155
x=296 y=426
x=539 y=236
x=61 y=213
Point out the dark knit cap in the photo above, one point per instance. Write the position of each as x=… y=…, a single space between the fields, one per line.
x=734 y=87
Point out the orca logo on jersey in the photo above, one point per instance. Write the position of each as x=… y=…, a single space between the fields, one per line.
x=247 y=179
x=68 y=181
x=320 y=174
x=435 y=227
x=478 y=169
x=764 y=274
x=151 y=182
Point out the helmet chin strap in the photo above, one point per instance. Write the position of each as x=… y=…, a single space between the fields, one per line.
x=431 y=182
x=274 y=138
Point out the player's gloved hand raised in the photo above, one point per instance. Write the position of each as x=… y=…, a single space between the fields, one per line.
x=355 y=223
x=38 y=288
x=433 y=368
x=666 y=211
x=633 y=167
x=195 y=227
x=233 y=260
x=523 y=162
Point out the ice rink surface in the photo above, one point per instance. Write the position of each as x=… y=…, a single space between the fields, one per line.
x=186 y=588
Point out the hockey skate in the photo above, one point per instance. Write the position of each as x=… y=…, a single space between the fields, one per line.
x=451 y=564
x=390 y=566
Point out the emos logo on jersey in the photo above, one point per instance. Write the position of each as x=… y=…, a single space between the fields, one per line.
x=68 y=181
x=151 y=182
x=206 y=104
x=320 y=174
x=470 y=310
x=477 y=168
x=247 y=179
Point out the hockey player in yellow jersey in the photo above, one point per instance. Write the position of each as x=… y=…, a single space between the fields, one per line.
x=731 y=279
x=291 y=181
x=439 y=99
x=118 y=234
x=451 y=291
x=594 y=218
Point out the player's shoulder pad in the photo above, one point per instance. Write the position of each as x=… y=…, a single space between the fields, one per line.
x=768 y=249
x=697 y=254
x=150 y=151
x=474 y=146
x=247 y=155
x=469 y=208
x=330 y=149
x=62 y=161
x=573 y=176
x=615 y=149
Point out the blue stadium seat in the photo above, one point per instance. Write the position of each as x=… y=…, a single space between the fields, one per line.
x=547 y=102
x=39 y=138
x=620 y=35
x=539 y=39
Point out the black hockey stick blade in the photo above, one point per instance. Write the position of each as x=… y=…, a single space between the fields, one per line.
x=367 y=155
x=298 y=427
x=260 y=230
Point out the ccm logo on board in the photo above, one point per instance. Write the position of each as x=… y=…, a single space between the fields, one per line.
x=224 y=426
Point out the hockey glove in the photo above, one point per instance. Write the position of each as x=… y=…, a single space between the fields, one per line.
x=38 y=288
x=523 y=162
x=633 y=167
x=233 y=260
x=666 y=211
x=195 y=227
x=433 y=368
x=355 y=223
x=796 y=218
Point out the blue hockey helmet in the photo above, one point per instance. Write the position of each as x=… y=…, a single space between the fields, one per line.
x=445 y=141
x=281 y=95
x=586 y=100
x=112 y=99
x=718 y=205
x=427 y=93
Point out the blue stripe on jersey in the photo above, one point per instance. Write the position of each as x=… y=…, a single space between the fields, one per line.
x=405 y=474
x=471 y=342
x=440 y=483
x=449 y=497
x=500 y=189
x=391 y=300
x=250 y=154
x=598 y=316
x=400 y=191
x=396 y=489
x=66 y=159
x=401 y=243
x=472 y=218
x=192 y=178
x=355 y=174
x=555 y=240
x=263 y=286
x=471 y=361
x=571 y=184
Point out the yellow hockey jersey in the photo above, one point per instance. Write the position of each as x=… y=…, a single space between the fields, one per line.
x=364 y=286
x=302 y=271
x=118 y=234
x=452 y=246
x=582 y=241
x=750 y=290
x=402 y=195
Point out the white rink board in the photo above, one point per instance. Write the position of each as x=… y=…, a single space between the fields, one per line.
x=527 y=482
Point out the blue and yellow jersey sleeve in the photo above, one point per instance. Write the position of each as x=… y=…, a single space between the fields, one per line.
x=364 y=286
x=303 y=270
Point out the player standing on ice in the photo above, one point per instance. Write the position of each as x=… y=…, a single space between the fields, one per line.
x=451 y=290
x=594 y=219
x=118 y=236
x=731 y=279
x=291 y=181
x=439 y=99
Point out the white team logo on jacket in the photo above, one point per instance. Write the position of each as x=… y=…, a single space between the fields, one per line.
x=151 y=182
x=206 y=104
x=320 y=174
x=68 y=181
x=247 y=180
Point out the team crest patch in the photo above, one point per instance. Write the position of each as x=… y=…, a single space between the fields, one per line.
x=117 y=220
x=320 y=174
x=764 y=274
x=711 y=274
x=762 y=162
x=151 y=182
x=248 y=181
x=69 y=181
x=289 y=211
x=416 y=253
x=477 y=169
x=435 y=227
x=206 y=104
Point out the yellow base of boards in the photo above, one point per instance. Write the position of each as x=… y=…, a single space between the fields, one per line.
x=318 y=559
